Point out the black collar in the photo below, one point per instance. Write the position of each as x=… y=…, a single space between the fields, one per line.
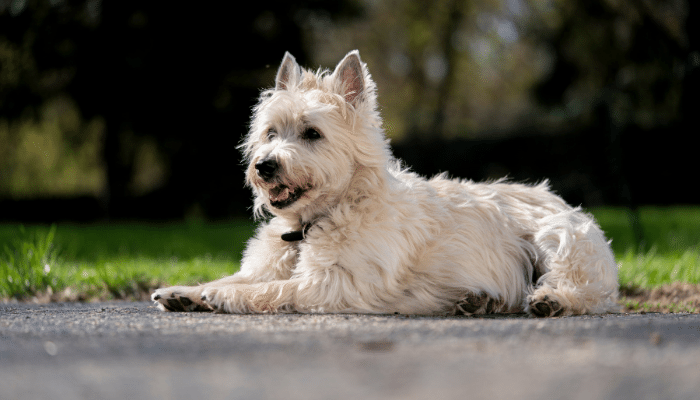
x=295 y=236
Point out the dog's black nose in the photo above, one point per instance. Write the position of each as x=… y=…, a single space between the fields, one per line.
x=267 y=168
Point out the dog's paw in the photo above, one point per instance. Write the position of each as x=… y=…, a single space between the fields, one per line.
x=179 y=298
x=214 y=299
x=474 y=304
x=546 y=307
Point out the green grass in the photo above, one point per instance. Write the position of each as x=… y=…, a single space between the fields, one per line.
x=26 y=265
x=670 y=246
x=117 y=260
x=126 y=259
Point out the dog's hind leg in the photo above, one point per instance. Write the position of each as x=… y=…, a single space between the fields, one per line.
x=577 y=267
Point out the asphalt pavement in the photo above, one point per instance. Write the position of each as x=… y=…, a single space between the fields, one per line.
x=126 y=350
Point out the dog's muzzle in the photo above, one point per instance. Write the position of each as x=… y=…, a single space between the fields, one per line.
x=281 y=195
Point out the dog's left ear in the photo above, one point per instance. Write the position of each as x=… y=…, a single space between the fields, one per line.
x=350 y=76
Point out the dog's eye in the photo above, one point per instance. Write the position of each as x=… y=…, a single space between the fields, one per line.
x=271 y=134
x=311 y=134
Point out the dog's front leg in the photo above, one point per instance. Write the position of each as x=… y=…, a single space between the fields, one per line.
x=264 y=297
x=189 y=298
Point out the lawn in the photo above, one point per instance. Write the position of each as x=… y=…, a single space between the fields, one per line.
x=125 y=260
x=668 y=252
x=117 y=260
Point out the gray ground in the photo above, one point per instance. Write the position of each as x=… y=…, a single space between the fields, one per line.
x=131 y=350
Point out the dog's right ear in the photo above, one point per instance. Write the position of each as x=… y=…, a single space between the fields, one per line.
x=288 y=74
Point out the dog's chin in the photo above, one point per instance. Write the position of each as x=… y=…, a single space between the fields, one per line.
x=282 y=196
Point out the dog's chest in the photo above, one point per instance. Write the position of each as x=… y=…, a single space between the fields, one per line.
x=289 y=259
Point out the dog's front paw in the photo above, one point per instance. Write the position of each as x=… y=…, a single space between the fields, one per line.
x=214 y=299
x=546 y=307
x=180 y=298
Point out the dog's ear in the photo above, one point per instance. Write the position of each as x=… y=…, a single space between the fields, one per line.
x=288 y=73
x=350 y=76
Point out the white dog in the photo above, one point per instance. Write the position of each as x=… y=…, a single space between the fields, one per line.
x=354 y=232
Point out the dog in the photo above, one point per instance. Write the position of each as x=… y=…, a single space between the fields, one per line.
x=347 y=229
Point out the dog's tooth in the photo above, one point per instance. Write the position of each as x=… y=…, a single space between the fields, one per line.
x=279 y=193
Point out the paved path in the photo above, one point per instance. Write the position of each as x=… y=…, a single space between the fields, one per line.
x=131 y=350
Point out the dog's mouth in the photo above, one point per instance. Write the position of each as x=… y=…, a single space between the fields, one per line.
x=283 y=196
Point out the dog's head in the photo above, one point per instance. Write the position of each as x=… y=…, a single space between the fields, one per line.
x=310 y=135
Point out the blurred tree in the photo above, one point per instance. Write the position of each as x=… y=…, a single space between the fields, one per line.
x=633 y=56
x=186 y=75
x=46 y=146
x=171 y=87
x=628 y=71
x=38 y=52
x=455 y=69
x=618 y=74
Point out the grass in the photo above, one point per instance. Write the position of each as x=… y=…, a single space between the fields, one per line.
x=116 y=260
x=26 y=266
x=125 y=260
x=668 y=252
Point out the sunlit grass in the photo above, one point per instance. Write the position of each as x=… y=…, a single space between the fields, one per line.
x=26 y=263
x=126 y=259
x=668 y=252
x=648 y=269
x=117 y=260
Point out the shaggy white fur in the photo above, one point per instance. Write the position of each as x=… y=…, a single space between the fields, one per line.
x=364 y=235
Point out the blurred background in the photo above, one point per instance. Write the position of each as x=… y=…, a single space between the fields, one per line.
x=132 y=109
